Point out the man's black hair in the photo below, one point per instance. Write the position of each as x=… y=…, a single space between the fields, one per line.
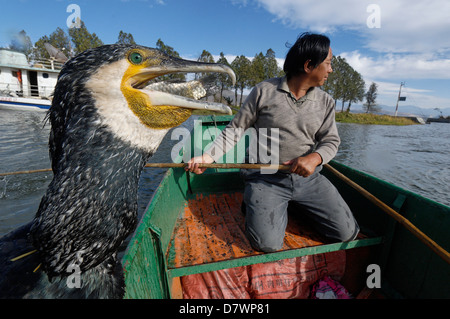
x=313 y=47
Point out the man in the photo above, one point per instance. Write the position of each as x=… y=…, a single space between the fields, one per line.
x=308 y=137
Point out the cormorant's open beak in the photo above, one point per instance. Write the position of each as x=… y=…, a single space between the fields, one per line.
x=183 y=95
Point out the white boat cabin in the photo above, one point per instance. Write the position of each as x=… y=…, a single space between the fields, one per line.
x=19 y=78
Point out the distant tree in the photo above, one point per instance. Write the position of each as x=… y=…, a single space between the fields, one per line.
x=207 y=57
x=223 y=80
x=271 y=68
x=170 y=51
x=82 y=39
x=335 y=84
x=21 y=42
x=209 y=80
x=57 y=39
x=60 y=40
x=264 y=67
x=356 y=89
x=257 y=70
x=371 y=96
x=344 y=83
x=167 y=49
x=241 y=66
x=249 y=73
x=125 y=38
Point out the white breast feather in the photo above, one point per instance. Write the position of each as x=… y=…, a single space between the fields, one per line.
x=114 y=110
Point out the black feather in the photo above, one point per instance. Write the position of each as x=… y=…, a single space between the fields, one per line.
x=90 y=205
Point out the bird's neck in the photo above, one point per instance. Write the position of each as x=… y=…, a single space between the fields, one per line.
x=91 y=204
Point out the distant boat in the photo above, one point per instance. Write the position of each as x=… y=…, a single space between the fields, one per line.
x=24 y=84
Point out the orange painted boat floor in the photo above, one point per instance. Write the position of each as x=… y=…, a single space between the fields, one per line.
x=211 y=229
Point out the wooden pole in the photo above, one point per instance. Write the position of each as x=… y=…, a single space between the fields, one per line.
x=217 y=165
x=27 y=172
x=177 y=165
x=399 y=218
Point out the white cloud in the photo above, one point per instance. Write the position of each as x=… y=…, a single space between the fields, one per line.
x=322 y=16
x=399 y=66
x=405 y=26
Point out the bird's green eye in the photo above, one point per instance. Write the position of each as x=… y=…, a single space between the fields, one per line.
x=135 y=58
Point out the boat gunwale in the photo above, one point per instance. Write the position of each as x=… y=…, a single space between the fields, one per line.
x=144 y=223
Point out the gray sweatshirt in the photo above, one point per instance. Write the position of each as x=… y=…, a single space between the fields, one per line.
x=285 y=128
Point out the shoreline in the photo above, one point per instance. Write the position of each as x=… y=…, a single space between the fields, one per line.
x=373 y=119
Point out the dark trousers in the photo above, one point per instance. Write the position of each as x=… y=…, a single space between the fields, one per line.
x=266 y=199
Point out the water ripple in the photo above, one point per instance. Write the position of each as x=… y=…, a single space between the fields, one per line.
x=412 y=157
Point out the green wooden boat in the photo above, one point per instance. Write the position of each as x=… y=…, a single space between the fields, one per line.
x=194 y=225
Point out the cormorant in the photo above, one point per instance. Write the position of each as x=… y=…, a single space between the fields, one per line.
x=105 y=124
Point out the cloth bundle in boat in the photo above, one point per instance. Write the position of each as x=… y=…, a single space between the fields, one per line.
x=328 y=288
x=284 y=279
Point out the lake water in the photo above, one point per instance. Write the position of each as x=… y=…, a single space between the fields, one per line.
x=415 y=157
x=412 y=157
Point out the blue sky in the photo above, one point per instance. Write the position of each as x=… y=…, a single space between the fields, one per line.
x=387 y=41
